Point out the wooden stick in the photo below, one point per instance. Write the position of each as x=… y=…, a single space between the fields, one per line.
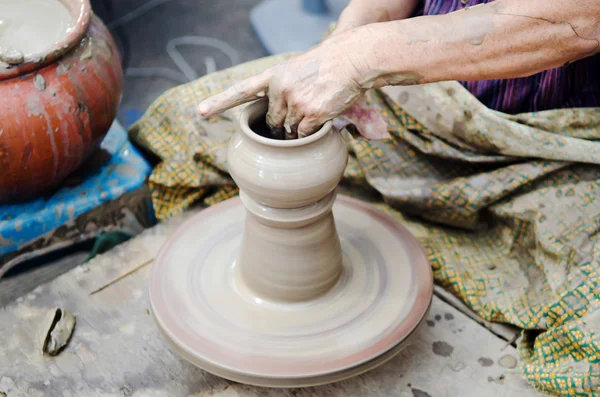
x=122 y=276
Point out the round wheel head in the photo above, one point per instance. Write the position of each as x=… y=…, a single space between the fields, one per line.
x=210 y=317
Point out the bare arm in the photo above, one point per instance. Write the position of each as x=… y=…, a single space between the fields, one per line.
x=503 y=39
x=363 y=12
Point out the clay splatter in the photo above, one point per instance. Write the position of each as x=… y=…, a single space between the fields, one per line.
x=457 y=366
x=448 y=316
x=39 y=83
x=442 y=349
x=419 y=393
x=402 y=98
x=485 y=362
x=508 y=361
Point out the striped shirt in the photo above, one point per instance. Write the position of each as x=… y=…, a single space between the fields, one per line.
x=571 y=86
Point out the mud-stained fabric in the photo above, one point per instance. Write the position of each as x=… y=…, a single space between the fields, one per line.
x=507 y=206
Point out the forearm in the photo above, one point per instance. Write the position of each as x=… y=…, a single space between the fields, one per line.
x=504 y=39
x=363 y=12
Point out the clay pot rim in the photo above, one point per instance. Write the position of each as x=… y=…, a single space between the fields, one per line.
x=259 y=108
x=81 y=11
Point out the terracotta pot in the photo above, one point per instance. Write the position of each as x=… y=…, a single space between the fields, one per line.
x=290 y=249
x=57 y=106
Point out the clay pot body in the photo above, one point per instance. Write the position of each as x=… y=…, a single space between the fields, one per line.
x=285 y=173
x=57 y=106
x=291 y=249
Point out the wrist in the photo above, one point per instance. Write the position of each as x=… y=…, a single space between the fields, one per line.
x=353 y=49
x=387 y=59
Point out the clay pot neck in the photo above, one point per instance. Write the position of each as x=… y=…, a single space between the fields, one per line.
x=81 y=12
x=258 y=109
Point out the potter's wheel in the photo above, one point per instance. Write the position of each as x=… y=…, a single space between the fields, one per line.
x=211 y=318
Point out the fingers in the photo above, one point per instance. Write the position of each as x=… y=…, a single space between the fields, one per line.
x=242 y=92
x=308 y=126
x=292 y=120
x=277 y=106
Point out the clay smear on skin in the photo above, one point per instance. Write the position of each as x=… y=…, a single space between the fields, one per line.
x=477 y=22
x=31 y=26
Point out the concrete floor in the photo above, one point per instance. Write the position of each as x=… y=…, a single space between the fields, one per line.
x=143 y=41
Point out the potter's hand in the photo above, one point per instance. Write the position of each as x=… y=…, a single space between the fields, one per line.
x=304 y=92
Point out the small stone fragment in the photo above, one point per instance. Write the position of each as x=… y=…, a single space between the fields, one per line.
x=431 y=323
x=56 y=332
x=438 y=317
x=448 y=316
x=508 y=361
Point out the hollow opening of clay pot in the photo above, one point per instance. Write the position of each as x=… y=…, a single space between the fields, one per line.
x=254 y=125
x=42 y=36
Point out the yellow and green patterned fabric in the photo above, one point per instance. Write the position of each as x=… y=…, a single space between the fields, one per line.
x=507 y=206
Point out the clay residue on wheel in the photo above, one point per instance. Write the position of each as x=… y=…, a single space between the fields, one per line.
x=442 y=349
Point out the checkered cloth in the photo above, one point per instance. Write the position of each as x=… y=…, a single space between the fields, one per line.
x=507 y=206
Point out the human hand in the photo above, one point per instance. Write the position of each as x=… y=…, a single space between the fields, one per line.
x=307 y=90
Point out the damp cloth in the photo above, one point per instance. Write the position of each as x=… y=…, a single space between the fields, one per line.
x=506 y=206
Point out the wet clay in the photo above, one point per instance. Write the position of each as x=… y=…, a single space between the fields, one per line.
x=262 y=128
x=31 y=26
